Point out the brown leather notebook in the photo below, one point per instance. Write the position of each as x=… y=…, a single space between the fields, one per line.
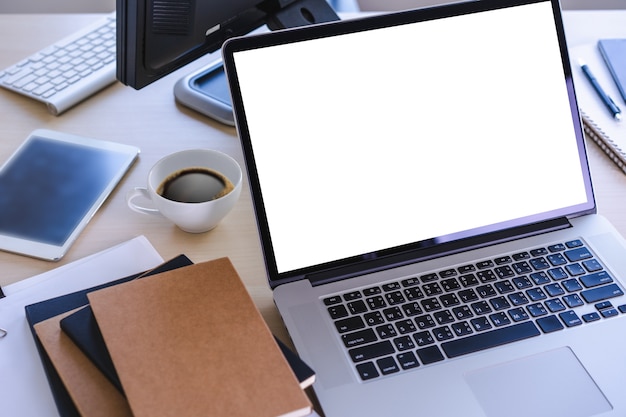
x=191 y=342
x=92 y=393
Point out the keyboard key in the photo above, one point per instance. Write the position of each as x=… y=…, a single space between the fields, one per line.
x=570 y=318
x=371 y=291
x=518 y=314
x=575 y=269
x=484 y=264
x=376 y=302
x=466 y=268
x=395 y=297
x=503 y=260
x=462 y=329
x=592 y=265
x=540 y=278
x=469 y=280
x=518 y=299
x=556 y=248
x=493 y=338
x=602 y=305
x=550 y=324
x=359 y=338
x=522 y=282
x=486 y=276
x=500 y=319
x=337 y=311
x=574 y=243
x=601 y=293
x=447 y=273
x=450 y=284
x=557 y=259
x=573 y=300
x=412 y=309
x=432 y=289
x=468 y=295
x=572 y=285
x=414 y=293
x=363 y=353
x=480 y=324
x=537 y=310
x=555 y=305
x=357 y=307
x=407 y=360
x=373 y=318
x=522 y=268
x=430 y=355
x=392 y=286
x=595 y=279
x=385 y=331
x=443 y=333
x=554 y=290
x=588 y=318
x=349 y=324
x=443 y=317
x=393 y=313
x=423 y=338
x=539 y=263
x=578 y=254
x=367 y=371
x=557 y=274
x=354 y=295
x=425 y=321
x=403 y=343
x=405 y=326
x=410 y=282
x=536 y=294
x=388 y=365
x=332 y=300
x=521 y=256
x=539 y=252
x=609 y=312
x=431 y=304
x=462 y=312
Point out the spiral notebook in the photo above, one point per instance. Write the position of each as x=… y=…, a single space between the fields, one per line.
x=598 y=123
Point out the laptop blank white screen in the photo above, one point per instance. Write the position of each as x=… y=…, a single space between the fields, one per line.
x=381 y=138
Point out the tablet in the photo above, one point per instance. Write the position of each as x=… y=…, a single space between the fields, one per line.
x=51 y=187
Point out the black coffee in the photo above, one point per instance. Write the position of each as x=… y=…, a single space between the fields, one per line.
x=195 y=185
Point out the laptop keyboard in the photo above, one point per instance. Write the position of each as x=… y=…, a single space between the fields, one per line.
x=421 y=320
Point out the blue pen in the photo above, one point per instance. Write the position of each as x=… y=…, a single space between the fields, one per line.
x=608 y=101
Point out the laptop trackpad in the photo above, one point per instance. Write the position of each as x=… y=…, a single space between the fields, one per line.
x=552 y=383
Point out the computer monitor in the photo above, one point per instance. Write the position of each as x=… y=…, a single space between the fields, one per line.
x=156 y=37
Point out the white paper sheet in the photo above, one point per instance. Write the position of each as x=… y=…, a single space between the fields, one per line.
x=24 y=389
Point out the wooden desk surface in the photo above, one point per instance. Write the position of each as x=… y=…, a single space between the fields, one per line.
x=153 y=121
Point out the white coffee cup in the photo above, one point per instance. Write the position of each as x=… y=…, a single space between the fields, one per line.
x=191 y=216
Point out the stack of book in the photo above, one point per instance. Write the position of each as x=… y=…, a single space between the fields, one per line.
x=183 y=340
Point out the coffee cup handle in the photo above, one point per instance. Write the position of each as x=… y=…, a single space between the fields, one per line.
x=140 y=192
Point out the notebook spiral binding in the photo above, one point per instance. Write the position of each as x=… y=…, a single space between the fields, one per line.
x=595 y=133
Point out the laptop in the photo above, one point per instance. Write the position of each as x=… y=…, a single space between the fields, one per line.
x=426 y=213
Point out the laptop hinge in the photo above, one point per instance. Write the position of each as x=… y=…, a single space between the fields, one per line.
x=373 y=263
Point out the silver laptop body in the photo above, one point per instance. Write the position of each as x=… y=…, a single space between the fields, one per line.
x=427 y=216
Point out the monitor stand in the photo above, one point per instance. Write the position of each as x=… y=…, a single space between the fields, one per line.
x=206 y=90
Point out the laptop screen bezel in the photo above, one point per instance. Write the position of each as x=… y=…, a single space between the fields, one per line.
x=427 y=249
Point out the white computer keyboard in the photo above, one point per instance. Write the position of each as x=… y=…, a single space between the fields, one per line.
x=68 y=71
